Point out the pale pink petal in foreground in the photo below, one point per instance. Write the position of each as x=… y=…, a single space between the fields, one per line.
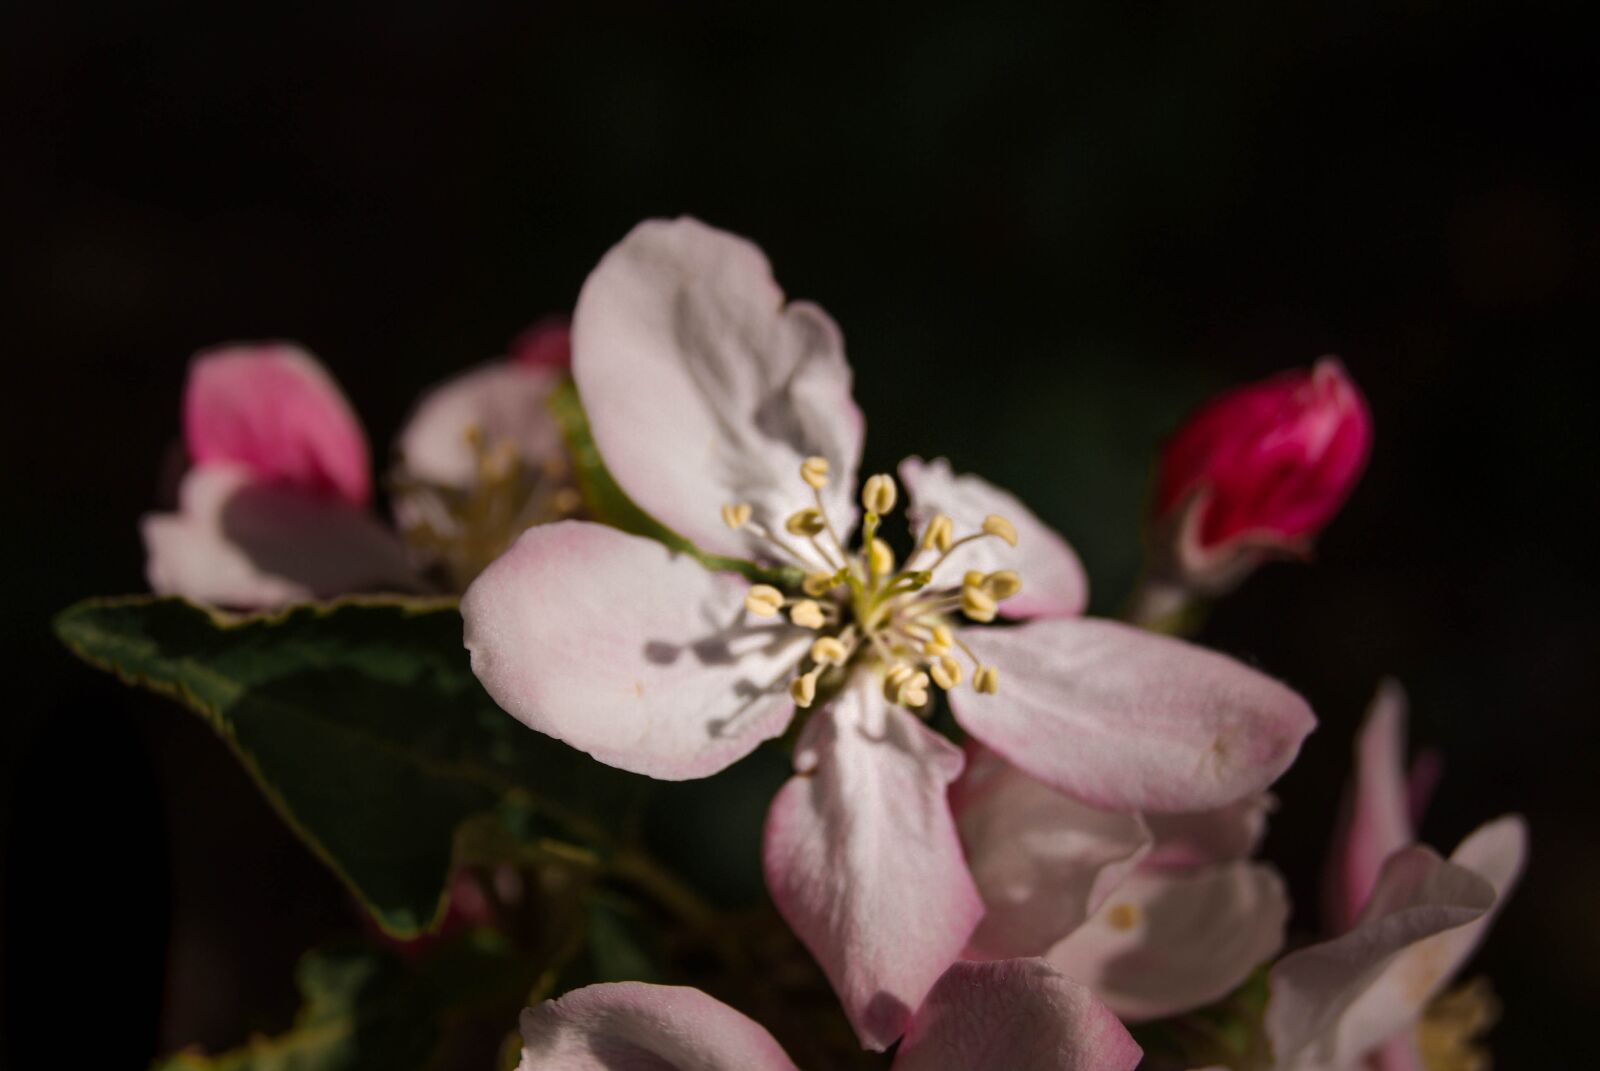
x=506 y=402
x=1053 y=581
x=632 y=1025
x=1043 y=862
x=238 y=543
x=705 y=388
x=1016 y=1014
x=273 y=410
x=1313 y=1019
x=640 y=657
x=1167 y=942
x=1219 y=836
x=1127 y=720
x=1375 y=821
x=862 y=859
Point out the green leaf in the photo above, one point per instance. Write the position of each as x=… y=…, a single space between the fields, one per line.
x=365 y=1011
x=362 y=723
x=609 y=504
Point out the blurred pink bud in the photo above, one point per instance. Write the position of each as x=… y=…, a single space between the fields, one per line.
x=1269 y=463
x=547 y=344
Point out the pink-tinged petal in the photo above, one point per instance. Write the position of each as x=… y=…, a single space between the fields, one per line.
x=275 y=411
x=1399 y=1053
x=1426 y=770
x=242 y=544
x=1043 y=862
x=1375 y=820
x=1016 y=1014
x=862 y=859
x=632 y=1025
x=1053 y=581
x=642 y=658
x=1219 y=836
x=547 y=344
x=1127 y=720
x=1319 y=1015
x=705 y=388
x=1496 y=853
x=506 y=402
x=1170 y=942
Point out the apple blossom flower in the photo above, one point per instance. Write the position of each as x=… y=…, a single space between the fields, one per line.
x=725 y=413
x=275 y=506
x=1257 y=472
x=1365 y=998
x=1019 y=1015
x=482 y=458
x=1156 y=914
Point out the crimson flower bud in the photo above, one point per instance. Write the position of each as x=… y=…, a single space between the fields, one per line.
x=1259 y=470
x=547 y=344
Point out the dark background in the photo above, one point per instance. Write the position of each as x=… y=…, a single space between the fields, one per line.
x=1045 y=234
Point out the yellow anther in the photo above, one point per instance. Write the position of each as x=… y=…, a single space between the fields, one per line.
x=817 y=584
x=943 y=636
x=1002 y=584
x=814 y=471
x=935 y=649
x=880 y=559
x=829 y=651
x=1124 y=916
x=803 y=689
x=736 y=516
x=806 y=522
x=939 y=534
x=998 y=526
x=986 y=680
x=763 y=600
x=977 y=604
x=807 y=614
x=946 y=672
x=897 y=675
x=879 y=494
x=972 y=578
x=913 y=691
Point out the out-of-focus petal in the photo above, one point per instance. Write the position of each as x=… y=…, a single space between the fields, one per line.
x=632 y=1025
x=504 y=401
x=1053 y=581
x=238 y=543
x=1318 y=1016
x=1042 y=861
x=642 y=658
x=705 y=388
x=1375 y=820
x=1227 y=833
x=1127 y=720
x=862 y=859
x=275 y=411
x=1399 y=1053
x=1168 y=942
x=547 y=344
x=1016 y=1014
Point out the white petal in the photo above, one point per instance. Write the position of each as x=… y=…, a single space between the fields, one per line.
x=1043 y=862
x=642 y=658
x=704 y=388
x=243 y=544
x=1374 y=821
x=632 y=1025
x=1168 y=942
x=1218 y=836
x=1127 y=720
x=1053 y=581
x=862 y=859
x=504 y=400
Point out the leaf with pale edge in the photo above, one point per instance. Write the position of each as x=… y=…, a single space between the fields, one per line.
x=362 y=723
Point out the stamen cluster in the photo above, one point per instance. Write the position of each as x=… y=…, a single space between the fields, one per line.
x=894 y=621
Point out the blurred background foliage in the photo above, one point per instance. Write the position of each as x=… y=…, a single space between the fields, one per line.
x=1046 y=232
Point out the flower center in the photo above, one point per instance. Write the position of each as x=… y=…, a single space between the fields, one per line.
x=460 y=530
x=870 y=612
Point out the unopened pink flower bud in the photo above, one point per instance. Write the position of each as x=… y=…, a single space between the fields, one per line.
x=1261 y=469
x=547 y=344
